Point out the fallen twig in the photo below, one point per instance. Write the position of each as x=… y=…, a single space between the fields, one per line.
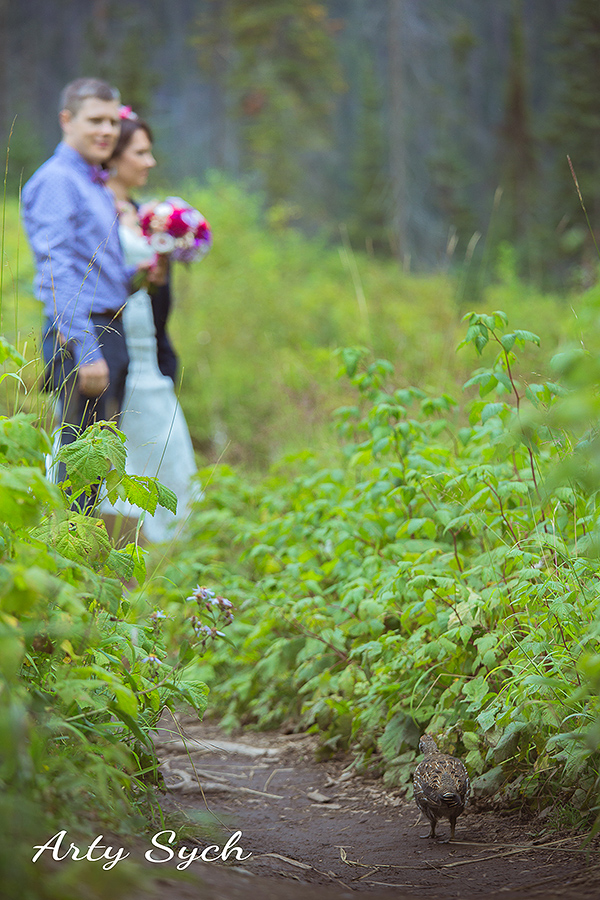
x=192 y=745
x=188 y=786
x=292 y=862
x=272 y=775
x=503 y=853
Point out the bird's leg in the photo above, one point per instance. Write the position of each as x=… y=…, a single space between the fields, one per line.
x=431 y=834
x=452 y=827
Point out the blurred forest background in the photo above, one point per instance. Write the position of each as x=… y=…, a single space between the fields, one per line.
x=371 y=169
x=430 y=131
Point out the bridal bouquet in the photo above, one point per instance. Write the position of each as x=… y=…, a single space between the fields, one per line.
x=175 y=228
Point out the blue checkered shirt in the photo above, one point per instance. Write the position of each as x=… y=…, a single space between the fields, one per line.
x=71 y=222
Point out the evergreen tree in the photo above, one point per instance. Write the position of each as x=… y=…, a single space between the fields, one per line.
x=370 y=188
x=576 y=130
x=282 y=70
x=517 y=207
x=118 y=48
x=517 y=152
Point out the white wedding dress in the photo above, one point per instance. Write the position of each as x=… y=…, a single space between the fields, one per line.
x=158 y=440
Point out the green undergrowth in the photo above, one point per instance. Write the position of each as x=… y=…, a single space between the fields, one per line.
x=87 y=666
x=441 y=574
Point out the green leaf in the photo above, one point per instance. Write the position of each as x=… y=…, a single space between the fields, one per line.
x=7 y=351
x=108 y=593
x=135 y=728
x=401 y=733
x=420 y=525
x=486 y=381
x=474 y=761
x=90 y=458
x=126 y=700
x=192 y=690
x=487 y=719
x=471 y=740
x=527 y=336
x=80 y=538
x=138 y=558
x=490 y=410
x=148 y=493
x=121 y=564
x=141 y=491
x=21 y=441
x=167 y=498
x=114 y=486
x=381 y=445
x=504 y=380
x=476 y=689
x=465 y=632
x=480 y=341
x=351 y=357
x=25 y=495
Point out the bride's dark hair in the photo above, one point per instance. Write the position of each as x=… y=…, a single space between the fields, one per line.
x=128 y=128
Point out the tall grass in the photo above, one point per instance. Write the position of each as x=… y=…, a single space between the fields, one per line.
x=256 y=324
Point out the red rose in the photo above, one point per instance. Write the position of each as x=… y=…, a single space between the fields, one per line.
x=202 y=232
x=177 y=226
x=146 y=222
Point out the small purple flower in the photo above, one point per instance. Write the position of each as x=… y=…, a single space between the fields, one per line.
x=205 y=632
x=152 y=659
x=158 y=614
x=202 y=593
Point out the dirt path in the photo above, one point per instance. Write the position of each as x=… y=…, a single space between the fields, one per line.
x=316 y=830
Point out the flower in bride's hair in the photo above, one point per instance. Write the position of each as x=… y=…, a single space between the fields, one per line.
x=126 y=112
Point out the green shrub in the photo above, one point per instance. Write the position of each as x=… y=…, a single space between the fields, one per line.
x=441 y=575
x=86 y=666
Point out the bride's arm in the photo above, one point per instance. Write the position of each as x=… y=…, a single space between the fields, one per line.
x=159 y=272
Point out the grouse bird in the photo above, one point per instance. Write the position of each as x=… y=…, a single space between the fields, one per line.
x=441 y=785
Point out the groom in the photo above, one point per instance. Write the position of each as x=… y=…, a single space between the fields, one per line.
x=70 y=218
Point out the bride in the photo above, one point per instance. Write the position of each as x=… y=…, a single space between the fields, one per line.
x=158 y=440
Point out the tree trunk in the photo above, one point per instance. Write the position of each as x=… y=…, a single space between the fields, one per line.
x=397 y=123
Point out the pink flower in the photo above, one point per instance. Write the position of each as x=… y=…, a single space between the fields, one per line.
x=176 y=228
x=126 y=112
x=146 y=214
x=202 y=232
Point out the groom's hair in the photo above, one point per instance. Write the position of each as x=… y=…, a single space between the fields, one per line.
x=76 y=92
